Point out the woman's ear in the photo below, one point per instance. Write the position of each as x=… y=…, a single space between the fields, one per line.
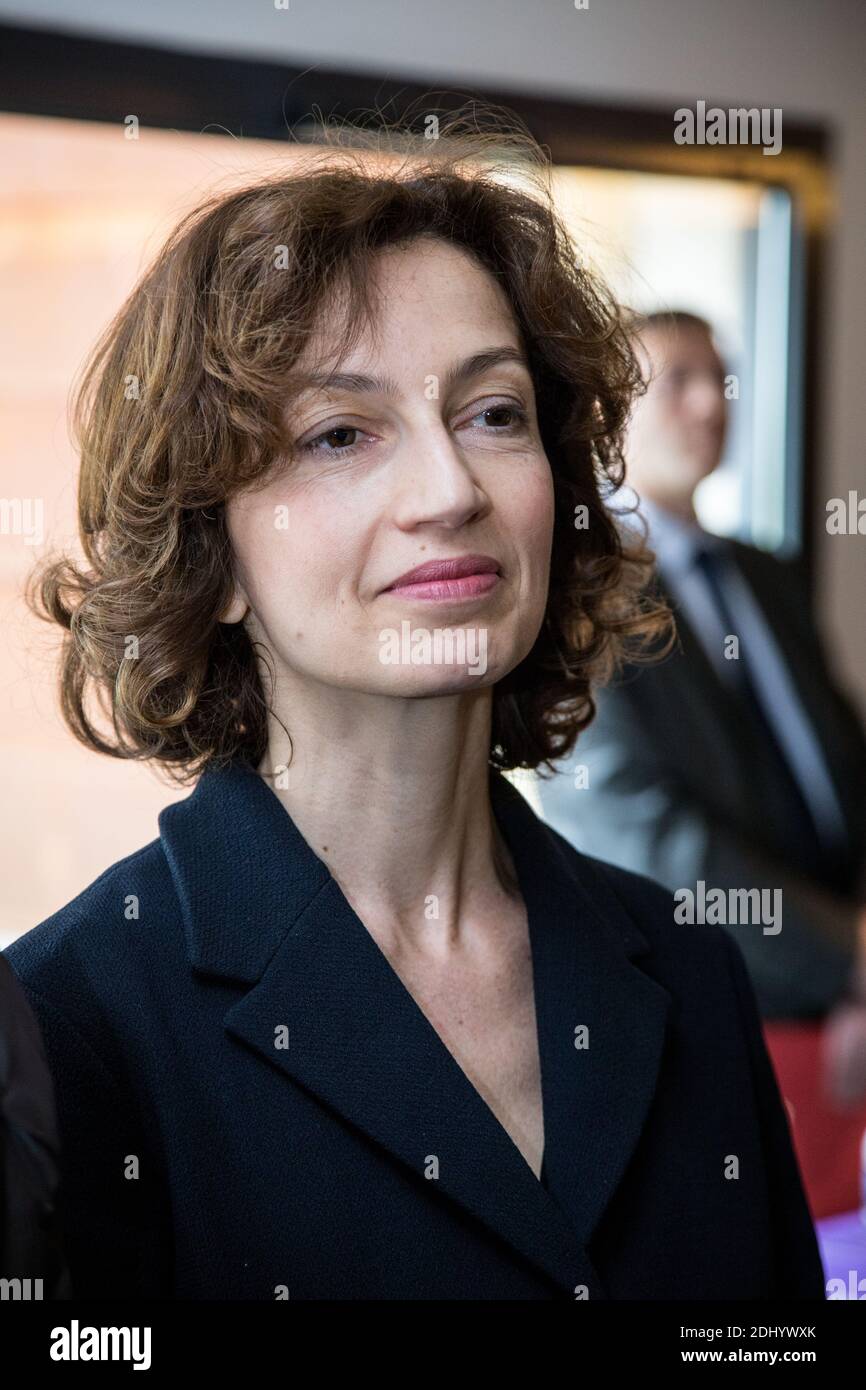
x=236 y=609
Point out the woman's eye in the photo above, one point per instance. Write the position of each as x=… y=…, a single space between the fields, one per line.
x=340 y=440
x=333 y=441
x=515 y=416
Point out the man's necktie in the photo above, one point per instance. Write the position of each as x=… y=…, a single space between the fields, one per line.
x=801 y=830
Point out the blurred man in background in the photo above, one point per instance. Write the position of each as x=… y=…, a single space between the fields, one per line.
x=736 y=762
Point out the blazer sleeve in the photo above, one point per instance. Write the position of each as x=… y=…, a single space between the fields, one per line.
x=799 y=1272
x=114 y=1225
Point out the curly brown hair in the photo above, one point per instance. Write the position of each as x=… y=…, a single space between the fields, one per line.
x=182 y=404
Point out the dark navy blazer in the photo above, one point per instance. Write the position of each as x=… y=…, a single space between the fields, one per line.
x=204 y=1158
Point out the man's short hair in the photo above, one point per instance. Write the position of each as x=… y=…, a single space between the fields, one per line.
x=667 y=320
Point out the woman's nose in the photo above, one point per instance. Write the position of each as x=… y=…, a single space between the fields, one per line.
x=442 y=486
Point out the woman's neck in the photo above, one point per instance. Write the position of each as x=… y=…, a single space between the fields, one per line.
x=401 y=814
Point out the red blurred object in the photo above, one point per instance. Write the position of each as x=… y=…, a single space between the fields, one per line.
x=826 y=1134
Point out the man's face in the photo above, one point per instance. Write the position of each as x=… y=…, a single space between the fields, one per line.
x=677 y=431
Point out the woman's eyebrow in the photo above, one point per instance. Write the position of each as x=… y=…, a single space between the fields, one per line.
x=462 y=371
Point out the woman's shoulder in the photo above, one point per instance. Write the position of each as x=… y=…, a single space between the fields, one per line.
x=644 y=898
x=646 y=906
x=89 y=941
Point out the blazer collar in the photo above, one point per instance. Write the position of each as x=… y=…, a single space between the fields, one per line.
x=261 y=908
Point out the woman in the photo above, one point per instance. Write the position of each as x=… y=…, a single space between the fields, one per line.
x=357 y=1025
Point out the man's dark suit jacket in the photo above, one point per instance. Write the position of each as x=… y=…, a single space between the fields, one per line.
x=222 y=1024
x=679 y=790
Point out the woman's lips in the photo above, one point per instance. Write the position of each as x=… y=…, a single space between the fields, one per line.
x=447 y=590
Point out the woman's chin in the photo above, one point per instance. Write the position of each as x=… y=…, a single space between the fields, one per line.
x=423 y=683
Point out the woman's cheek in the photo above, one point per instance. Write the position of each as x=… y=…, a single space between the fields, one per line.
x=536 y=505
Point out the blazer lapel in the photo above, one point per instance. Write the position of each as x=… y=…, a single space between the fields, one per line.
x=260 y=907
x=601 y=1020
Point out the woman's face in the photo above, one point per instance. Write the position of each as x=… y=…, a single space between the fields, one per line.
x=424 y=448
